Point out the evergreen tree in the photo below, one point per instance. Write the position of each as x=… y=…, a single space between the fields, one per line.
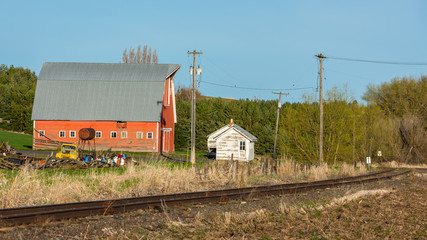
x=17 y=89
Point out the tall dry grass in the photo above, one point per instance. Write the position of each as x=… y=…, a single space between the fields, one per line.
x=32 y=187
x=395 y=164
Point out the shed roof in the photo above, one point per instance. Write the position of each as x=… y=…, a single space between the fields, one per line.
x=227 y=127
x=101 y=91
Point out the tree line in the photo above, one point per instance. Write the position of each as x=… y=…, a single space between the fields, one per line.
x=17 y=88
x=394 y=120
x=392 y=124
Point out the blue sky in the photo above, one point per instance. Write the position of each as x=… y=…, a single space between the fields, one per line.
x=255 y=44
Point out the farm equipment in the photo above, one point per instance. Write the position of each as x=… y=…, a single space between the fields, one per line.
x=6 y=149
x=69 y=156
x=68 y=151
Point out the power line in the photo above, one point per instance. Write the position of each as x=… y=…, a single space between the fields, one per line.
x=223 y=70
x=230 y=76
x=260 y=89
x=379 y=62
x=355 y=76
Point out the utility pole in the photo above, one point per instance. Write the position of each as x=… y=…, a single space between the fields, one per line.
x=279 y=105
x=321 y=57
x=193 y=108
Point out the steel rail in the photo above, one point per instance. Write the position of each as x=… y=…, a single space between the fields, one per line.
x=26 y=215
x=104 y=203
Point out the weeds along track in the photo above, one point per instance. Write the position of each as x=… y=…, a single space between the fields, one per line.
x=43 y=213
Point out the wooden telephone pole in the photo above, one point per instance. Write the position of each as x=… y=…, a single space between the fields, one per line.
x=193 y=109
x=279 y=105
x=321 y=57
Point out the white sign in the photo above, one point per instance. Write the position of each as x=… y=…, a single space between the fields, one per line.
x=368 y=160
x=379 y=153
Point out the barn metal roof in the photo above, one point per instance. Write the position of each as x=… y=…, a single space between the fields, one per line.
x=101 y=91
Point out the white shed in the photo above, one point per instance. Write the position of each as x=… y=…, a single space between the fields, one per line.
x=231 y=140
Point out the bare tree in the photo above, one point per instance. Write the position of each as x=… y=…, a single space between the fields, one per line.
x=185 y=93
x=140 y=57
x=131 y=55
x=414 y=139
x=125 y=57
x=155 y=57
x=144 y=54
x=149 y=56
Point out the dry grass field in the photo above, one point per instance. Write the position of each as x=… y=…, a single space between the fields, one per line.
x=30 y=187
x=392 y=209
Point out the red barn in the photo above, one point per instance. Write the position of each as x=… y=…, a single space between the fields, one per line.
x=130 y=106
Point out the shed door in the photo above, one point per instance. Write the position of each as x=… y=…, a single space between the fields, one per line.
x=242 y=149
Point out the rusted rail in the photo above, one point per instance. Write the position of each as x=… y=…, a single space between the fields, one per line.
x=34 y=214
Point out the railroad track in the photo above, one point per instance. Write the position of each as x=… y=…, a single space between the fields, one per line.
x=36 y=214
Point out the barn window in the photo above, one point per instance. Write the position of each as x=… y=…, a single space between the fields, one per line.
x=139 y=135
x=149 y=135
x=242 y=145
x=61 y=134
x=113 y=134
x=98 y=134
x=122 y=124
x=41 y=133
x=124 y=134
x=72 y=134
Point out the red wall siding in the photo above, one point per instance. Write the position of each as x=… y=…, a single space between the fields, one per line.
x=131 y=143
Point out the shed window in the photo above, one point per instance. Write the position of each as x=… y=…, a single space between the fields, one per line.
x=113 y=134
x=98 y=134
x=242 y=145
x=139 y=135
x=72 y=134
x=149 y=135
x=124 y=134
x=61 y=134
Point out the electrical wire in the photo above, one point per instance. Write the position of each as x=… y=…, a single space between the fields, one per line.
x=379 y=62
x=230 y=76
x=260 y=89
x=355 y=76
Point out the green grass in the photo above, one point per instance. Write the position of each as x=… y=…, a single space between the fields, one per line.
x=184 y=153
x=77 y=173
x=83 y=173
x=17 y=140
x=262 y=178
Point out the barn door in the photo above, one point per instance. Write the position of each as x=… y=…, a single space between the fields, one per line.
x=166 y=140
x=242 y=149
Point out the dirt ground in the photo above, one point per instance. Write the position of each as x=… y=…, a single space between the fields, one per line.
x=393 y=209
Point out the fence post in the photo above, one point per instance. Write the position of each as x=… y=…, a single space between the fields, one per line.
x=267 y=165
x=237 y=168
x=234 y=169
x=242 y=175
